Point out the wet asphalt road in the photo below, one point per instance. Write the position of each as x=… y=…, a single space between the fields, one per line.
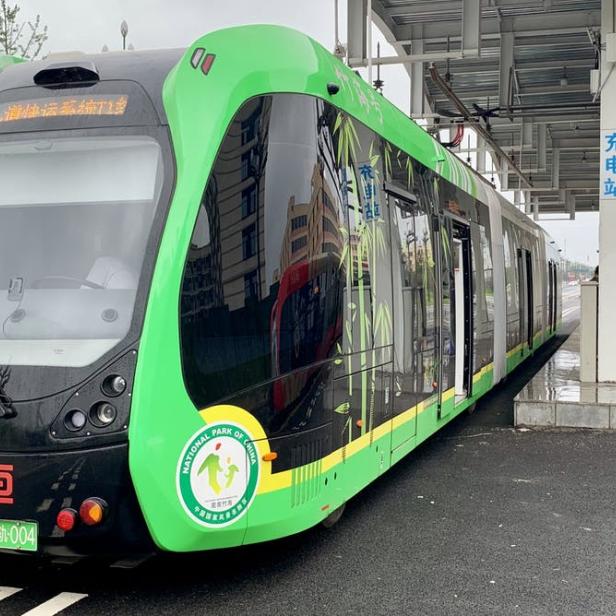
x=481 y=519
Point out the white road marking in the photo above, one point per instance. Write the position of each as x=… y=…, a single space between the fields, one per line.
x=45 y=505
x=57 y=604
x=7 y=591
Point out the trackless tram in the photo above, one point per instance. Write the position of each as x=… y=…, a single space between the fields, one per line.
x=236 y=286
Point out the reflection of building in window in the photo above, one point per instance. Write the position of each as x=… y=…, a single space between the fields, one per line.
x=249 y=128
x=251 y=285
x=246 y=159
x=240 y=203
x=249 y=201
x=249 y=242
x=202 y=287
x=299 y=243
x=298 y=222
x=311 y=226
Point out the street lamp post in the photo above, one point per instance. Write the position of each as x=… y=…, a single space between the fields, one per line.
x=124 y=33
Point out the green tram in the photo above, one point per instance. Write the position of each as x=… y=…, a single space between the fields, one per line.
x=236 y=286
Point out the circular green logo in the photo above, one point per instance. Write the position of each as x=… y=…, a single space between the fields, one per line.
x=217 y=474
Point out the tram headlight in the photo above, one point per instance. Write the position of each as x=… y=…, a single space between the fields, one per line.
x=114 y=385
x=75 y=420
x=104 y=413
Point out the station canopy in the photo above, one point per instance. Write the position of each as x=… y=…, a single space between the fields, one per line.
x=517 y=70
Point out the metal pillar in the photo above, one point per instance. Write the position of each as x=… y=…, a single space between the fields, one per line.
x=541 y=147
x=607 y=212
x=504 y=176
x=471 y=27
x=570 y=202
x=481 y=155
x=357 y=11
x=505 y=88
x=417 y=75
x=555 y=167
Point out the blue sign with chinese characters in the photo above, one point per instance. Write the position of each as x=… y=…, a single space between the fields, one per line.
x=372 y=209
x=608 y=164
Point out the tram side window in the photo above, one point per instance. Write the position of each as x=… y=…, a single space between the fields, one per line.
x=511 y=283
x=262 y=293
x=367 y=241
x=483 y=296
x=537 y=286
x=416 y=253
x=486 y=256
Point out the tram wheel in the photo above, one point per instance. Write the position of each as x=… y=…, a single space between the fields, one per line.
x=333 y=518
x=471 y=409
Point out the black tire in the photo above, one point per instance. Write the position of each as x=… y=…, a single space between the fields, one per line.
x=333 y=518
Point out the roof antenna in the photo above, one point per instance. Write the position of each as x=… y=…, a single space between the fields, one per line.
x=339 y=49
x=378 y=82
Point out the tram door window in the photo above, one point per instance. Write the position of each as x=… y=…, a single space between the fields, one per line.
x=551 y=307
x=365 y=383
x=483 y=289
x=463 y=312
x=554 y=302
x=522 y=291
x=529 y=296
x=526 y=296
x=512 y=288
x=446 y=378
x=416 y=293
x=408 y=301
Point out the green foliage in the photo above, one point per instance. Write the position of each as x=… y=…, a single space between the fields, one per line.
x=20 y=38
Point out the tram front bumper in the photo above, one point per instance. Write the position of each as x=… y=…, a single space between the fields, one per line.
x=35 y=487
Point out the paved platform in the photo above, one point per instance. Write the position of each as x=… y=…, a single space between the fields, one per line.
x=555 y=397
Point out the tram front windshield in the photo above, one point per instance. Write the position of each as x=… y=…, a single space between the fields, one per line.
x=75 y=218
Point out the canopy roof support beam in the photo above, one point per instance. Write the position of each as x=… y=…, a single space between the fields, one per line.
x=357 y=11
x=471 y=27
x=505 y=83
x=555 y=168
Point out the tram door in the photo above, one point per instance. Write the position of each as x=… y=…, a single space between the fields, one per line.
x=525 y=271
x=529 y=298
x=410 y=256
x=551 y=297
x=455 y=313
x=463 y=311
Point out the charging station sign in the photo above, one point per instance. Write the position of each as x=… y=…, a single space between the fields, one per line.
x=608 y=164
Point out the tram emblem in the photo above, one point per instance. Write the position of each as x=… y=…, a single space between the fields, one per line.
x=217 y=474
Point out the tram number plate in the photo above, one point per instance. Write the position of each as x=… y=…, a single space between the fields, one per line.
x=16 y=535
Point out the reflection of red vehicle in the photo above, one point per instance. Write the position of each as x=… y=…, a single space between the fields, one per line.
x=304 y=323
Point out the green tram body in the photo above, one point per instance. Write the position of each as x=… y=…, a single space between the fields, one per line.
x=294 y=329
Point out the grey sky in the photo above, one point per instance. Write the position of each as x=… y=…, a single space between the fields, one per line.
x=87 y=25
